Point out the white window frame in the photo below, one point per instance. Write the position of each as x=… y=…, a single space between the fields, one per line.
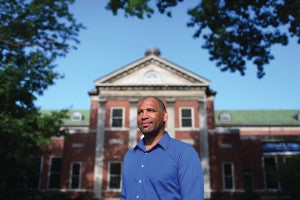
x=225 y=176
x=192 y=117
x=109 y=176
x=265 y=175
x=71 y=175
x=111 y=117
x=40 y=172
x=49 y=172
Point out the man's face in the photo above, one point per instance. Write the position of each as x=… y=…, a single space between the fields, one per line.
x=151 y=118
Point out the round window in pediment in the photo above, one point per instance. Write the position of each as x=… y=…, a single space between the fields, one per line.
x=152 y=77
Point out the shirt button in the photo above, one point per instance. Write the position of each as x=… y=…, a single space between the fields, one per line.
x=140 y=181
x=142 y=166
x=137 y=196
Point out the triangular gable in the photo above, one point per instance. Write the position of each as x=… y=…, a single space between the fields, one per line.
x=151 y=70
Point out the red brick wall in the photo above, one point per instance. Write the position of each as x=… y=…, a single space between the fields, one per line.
x=64 y=148
x=190 y=135
x=94 y=114
x=210 y=113
x=84 y=154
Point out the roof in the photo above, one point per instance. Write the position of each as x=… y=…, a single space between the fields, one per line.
x=76 y=117
x=257 y=117
x=229 y=117
x=143 y=70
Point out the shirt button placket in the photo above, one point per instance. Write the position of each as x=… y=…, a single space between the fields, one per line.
x=140 y=180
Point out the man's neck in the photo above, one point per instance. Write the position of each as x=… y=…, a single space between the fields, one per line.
x=150 y=142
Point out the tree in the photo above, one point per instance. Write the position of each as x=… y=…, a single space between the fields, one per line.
x=290 y=176
x=33 y=33
x=234 y=32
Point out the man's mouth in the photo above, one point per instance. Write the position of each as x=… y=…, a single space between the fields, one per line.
x=145 y=124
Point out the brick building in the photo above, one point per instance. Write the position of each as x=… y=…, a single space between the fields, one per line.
x=239 y=150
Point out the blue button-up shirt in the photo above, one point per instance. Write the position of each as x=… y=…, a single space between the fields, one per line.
x=171 y=170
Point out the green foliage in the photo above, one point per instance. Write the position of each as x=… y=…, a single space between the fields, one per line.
x=33 y=33
x=290 y=176
x=234 y=32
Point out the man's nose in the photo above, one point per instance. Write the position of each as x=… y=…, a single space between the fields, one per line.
x=145 y=115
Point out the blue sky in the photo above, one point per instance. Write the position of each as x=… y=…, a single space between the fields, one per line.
x=111 y=42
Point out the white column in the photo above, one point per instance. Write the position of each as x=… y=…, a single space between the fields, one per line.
x=204 y=148
x=132 y=124
x=98 y=169
x=171 y=120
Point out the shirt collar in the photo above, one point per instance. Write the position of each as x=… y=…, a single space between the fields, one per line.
x=163 y=143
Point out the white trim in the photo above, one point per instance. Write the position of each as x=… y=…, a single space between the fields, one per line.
x=111 y=117
x=192 y=117
x=264 y=172
x=109 y=174
x=99 y=150
x=204 y=147
x=71 y=175
x=232 y=176
x=41 y=172
x=132 y=124
x=49 y=172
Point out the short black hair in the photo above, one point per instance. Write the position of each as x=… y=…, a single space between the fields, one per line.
x=160 y=102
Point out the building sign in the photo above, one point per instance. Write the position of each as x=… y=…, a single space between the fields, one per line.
x=281 y=147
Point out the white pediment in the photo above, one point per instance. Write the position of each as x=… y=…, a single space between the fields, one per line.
x=152 y=70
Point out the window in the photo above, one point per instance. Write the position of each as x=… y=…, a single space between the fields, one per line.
x=55 y=173
x=115 y=169
x=75 y=175
x=152 y=77
x=228 y=176
x=248 y=180
x=186 y=117
x=117 y=117
x=271 y=173
x=76 y=116
x=225 y=117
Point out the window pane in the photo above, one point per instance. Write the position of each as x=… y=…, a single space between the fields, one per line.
x=227 y=169
x=54 y=181
x=186 y=112
x=75 y=182
x=186 y=117
x=55 y=173
x=228 y=176
x=76 y=174
x=55 y=164
x=117 y=112
x=117 y=117
x=115 y=175
x=186 y=122
x=115 y=168
x=117 y=123
x=115 y=182
x=76 y=169
x=271 y=174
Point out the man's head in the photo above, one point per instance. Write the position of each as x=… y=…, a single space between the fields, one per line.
x=151 y=116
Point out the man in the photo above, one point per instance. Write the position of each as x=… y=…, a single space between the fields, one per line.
x=160 y=167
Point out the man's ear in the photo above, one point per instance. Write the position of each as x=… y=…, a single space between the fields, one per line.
x=166 y=116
